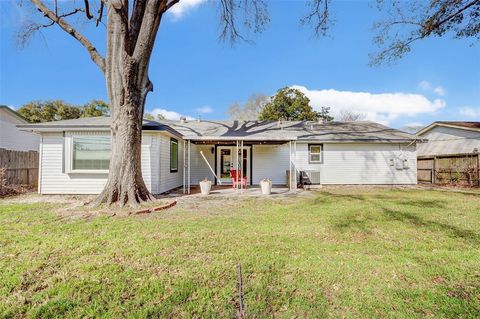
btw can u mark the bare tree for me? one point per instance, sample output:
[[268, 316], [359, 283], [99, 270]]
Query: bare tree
[[409, 21], [349, 116], [250, 110], [131, 29]]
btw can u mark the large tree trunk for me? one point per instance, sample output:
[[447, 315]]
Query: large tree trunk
[[126, 73], [125, 182]]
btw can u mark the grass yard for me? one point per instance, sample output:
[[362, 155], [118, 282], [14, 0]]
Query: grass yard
[[353, 253]]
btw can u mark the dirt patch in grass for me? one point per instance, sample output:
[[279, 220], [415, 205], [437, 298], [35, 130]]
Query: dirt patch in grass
[[80, 206]]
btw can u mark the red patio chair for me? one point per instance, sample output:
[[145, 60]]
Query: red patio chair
[[236, 180]]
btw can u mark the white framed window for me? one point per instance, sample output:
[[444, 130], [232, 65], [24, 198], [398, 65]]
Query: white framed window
[[173, 155], [90, 154], [315, 153]]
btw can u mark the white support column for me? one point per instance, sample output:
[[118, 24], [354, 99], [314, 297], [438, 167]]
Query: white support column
[[236, 164], [290, 165], [189, 153], [241, 167], [295, 164], [184, 165]]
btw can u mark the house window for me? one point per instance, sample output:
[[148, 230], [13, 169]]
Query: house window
[[315, 153], [173, 155], [91, 153]]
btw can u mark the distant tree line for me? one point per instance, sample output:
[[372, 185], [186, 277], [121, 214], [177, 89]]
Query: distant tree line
[[56, 110]]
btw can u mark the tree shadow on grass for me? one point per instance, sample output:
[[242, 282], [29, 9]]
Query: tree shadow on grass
[[352, 222], [326, 197], [416, 220], [421, 203], [363, 222]]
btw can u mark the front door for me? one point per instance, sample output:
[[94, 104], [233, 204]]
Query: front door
[[226, 161]]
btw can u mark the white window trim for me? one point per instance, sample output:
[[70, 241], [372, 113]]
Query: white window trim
[[174, 141], [69, 158], [310, 154]]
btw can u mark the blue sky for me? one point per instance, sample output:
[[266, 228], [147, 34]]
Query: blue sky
[[196, 75]]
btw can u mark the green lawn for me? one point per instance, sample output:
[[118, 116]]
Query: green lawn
[[353, 253]]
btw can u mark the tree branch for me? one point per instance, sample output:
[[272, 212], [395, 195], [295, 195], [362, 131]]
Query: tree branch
[[319, 17], [87, 9], [430, 28], [150, 23], [433, 19], [170, 4], [92, 51], [100, 13]]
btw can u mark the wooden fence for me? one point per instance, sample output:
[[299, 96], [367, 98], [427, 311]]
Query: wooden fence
[[452, 169], [21, 168]]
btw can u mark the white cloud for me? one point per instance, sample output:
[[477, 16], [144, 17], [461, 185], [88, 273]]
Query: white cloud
[[181, 8], [440, 90], [469, 111], [427, 86], [382, 107], [169, 115], [205, 109], [414, 124]]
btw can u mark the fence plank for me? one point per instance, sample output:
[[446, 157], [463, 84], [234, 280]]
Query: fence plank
[[21, 167], [462, 169]]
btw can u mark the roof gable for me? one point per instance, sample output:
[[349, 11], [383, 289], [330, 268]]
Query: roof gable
[[4, 108], [471, 126]]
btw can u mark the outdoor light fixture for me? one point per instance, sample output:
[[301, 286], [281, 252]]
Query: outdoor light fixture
[[212, 150]]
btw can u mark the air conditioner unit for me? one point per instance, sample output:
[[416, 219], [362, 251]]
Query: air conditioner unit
[[310, 177]]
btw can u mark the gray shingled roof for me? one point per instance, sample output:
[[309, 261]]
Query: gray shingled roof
[[89, 124], [248, 130], [288, 130]]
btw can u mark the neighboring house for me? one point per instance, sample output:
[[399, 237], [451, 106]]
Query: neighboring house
[[74, 154], [448, 138], [12, 138]]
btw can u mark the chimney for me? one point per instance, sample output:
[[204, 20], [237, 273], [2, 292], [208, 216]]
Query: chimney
[[183, 119]]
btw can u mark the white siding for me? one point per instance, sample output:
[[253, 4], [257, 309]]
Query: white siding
[[199, 169], [270, 161], [54, 178], [11, 138], [351, 163], [346, 163], [447, 140], [166, 180]]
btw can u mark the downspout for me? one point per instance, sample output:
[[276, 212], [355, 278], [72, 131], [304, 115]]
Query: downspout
[[184, 164]]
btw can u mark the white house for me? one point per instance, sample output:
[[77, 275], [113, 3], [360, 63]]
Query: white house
[[12, 138], [447, 138], [74, 154]]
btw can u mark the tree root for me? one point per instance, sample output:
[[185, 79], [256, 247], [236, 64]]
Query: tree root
[[132, 196]]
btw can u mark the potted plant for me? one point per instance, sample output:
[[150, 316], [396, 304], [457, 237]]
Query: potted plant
[[205, 186], [266, 186]]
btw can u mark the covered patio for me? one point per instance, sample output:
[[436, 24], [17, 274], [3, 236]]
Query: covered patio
[[234, 155]]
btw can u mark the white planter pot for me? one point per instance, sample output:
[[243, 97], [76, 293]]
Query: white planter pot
[[205, 187], [266, 187]]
